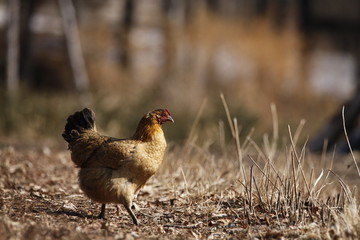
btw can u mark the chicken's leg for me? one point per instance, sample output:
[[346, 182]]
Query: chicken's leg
[[102, 213], [132, 215]]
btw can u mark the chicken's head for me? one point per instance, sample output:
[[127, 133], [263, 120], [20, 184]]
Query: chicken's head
[[162, 116]]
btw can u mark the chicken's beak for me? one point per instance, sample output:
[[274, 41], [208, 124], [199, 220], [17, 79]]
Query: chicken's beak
[[170, 119], [164, 119]]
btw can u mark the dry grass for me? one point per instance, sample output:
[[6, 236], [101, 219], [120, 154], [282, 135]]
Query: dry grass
[[244, 190]]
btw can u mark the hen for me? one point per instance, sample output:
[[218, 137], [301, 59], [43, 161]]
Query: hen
[[113, 170]]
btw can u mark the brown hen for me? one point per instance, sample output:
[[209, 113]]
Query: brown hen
[[113, 170]]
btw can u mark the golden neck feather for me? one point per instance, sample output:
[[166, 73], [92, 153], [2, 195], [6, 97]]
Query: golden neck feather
[[147, 129]]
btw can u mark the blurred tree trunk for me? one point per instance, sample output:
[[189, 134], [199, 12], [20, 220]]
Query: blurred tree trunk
[[13, 46], [74, 46], [125, 26], [28, 8]]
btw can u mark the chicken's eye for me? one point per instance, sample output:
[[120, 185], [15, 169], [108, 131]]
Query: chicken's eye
[[158, 118]]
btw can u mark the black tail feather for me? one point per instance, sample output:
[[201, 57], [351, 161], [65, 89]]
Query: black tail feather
[[77, 123]]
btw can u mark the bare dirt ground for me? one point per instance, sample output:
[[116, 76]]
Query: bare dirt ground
[[40, 199]]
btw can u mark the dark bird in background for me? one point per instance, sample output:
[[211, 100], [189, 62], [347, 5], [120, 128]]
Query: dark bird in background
[[113, 170]]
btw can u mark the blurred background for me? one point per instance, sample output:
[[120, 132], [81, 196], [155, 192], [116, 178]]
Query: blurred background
[[126, 57]]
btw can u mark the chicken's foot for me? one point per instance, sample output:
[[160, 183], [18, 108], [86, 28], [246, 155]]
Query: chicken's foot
[[132, 215], [102, 213]]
